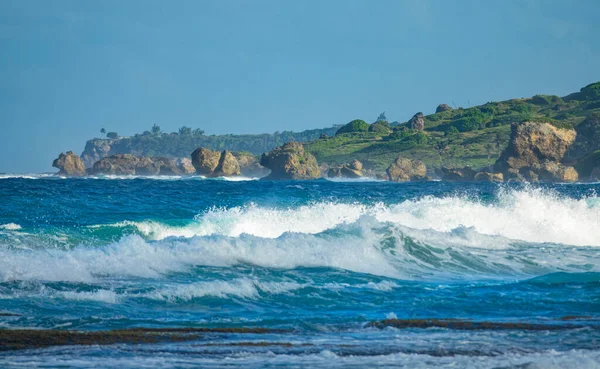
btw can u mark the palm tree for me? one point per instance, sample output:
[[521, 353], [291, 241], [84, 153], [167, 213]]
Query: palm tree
[[103, 131]]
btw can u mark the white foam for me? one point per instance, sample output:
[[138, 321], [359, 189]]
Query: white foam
[[106, 296], [531, 215], [242, 287], [10, 227]]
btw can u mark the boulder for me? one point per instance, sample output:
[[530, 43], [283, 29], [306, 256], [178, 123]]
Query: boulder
[[185, 165], [228, 166], [127, 164], [417, 122], [458, 174], [69, 164], [290, 161], [250, 165], [442, 108], [488, 177], [403, 170], [352, 170], [205, 161], [535, 152]]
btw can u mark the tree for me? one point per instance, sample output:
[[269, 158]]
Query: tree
[[381, 118], [103, 131], [356, 125], [185, 131], [112, 135], [155, 129], [198, 132]]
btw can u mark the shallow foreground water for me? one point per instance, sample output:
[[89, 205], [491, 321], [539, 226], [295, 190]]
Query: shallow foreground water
[[334, 274]]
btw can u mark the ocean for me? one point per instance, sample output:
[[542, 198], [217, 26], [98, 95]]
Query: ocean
[[296, 274]]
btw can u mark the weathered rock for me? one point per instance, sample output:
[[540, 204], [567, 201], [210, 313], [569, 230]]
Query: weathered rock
[[290, 161], [96, 150], [551, 171], [588, 137], [70, 164], [127, 164], [185, 165], [205, 161], [417, 122], [356, 165], [442, 108], [457, 174], [250, 165], [228, 166], [352, 170], [403, 170], [535, 152], [488, 177]]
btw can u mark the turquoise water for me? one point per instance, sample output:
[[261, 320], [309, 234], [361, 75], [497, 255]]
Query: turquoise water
[[318, 260]]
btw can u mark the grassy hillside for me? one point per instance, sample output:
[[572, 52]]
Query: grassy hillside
[[458, 137]]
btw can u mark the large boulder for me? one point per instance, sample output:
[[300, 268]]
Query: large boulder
[[70, 164], [488, 177], [442, 108], [205, 161], [228, 166], [458, 174], [417, 122], [535, 152], [127, 164], [352, 170], [403, 170], [290, 161], [250, 165]]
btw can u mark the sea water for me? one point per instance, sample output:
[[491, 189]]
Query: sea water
[[316, 261]]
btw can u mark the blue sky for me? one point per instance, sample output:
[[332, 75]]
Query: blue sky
[[69, 68]]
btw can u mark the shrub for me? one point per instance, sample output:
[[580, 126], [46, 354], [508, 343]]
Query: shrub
[[112, 135], [356, 125], [381, 127]]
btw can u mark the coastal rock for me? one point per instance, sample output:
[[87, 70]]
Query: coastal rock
[[228, 166], [442, 108], [488, 177], [185, 165], [352, 170], [250, 165], [417, 122], [587, 139], [535, 152], [95, 150], [205, 161], [457, 174], [70, 164], [403, 170], [290, 161], [127, 164]]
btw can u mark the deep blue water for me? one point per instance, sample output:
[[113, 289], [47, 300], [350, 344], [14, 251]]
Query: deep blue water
[[317, 259]]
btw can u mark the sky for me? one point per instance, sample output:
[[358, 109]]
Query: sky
[[70, 68]]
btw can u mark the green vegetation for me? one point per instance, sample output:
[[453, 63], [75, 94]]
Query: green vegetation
[[459, 137], [356, 125]]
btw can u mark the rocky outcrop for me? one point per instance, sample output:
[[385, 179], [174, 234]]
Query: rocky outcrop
[[352, 170], [488, 177], [403, 170], [442, 108], [290, 161], [417, 122], [250, 165], [457, 174], [205, 161], [588, 137], [127, 164], [185, 165], [70, 164], [535, 152], [228, 166]]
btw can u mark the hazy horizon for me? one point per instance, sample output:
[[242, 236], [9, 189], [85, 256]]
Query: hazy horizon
[[70, 68]]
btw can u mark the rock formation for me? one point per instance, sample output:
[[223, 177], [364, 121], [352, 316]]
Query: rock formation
[[403, 170], [457, 174], [442, 108], [290, 161], [417, 122], [228, 166], [205, 161], [70, 164], [352, 170], [535, 152], [185, 165], [127, 164], [488, 177]]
